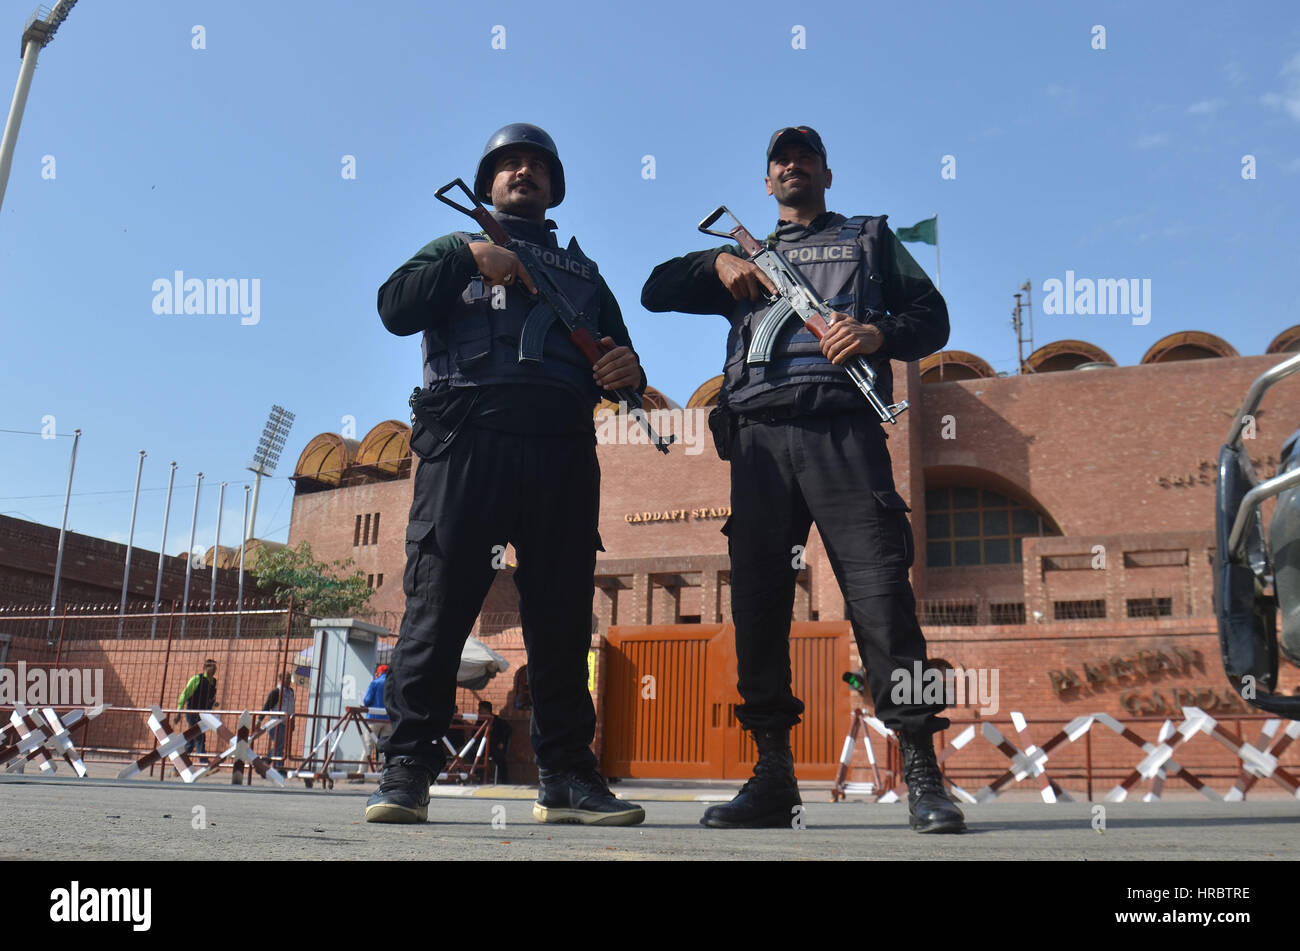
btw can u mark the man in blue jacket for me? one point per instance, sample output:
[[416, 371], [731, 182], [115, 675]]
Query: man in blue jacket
[[379, 723]]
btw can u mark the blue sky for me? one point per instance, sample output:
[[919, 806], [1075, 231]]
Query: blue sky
[[226, 162]]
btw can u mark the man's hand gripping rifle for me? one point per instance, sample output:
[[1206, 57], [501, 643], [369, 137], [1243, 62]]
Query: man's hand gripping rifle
[[795, 295], [553, 299]]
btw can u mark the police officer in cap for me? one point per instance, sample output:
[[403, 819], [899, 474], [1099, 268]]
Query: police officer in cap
[[507, 455], [805, 447]]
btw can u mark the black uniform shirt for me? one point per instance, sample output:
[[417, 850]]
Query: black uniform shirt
[[916, 325], [425, 290]]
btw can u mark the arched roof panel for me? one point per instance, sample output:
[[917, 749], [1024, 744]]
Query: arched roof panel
[[1288, 341], [385, 447], [706, 394], [1065, 355], [326, 458], [1188, 345], [949, 365]]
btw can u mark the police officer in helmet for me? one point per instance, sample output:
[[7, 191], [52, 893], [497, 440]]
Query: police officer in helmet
[[507, 456], [805, 446]]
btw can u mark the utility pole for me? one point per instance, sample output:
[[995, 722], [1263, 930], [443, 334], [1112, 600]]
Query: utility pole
[[1018, 323], [63, 534]]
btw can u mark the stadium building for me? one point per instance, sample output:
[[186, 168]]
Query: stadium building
[[1063, 522]]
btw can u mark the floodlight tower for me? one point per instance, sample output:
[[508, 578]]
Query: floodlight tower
[[267, 454], [37, 33]]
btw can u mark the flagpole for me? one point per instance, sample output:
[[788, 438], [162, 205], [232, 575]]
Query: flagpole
[[938, 271]]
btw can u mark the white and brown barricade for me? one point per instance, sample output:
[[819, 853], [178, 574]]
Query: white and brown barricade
[[471, 758], [171, 745], [240, 747], [1269, 747], [31, 734], [1159, 755], [1032, 761], [328, 746], [861, 725]]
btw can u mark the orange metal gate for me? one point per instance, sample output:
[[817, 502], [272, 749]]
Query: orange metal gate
[[670, 701]]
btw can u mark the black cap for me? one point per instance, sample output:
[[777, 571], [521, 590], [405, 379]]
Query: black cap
[[802, 133], [513, 135]]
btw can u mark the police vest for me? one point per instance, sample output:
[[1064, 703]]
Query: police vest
[[499, 335], [840, 263]]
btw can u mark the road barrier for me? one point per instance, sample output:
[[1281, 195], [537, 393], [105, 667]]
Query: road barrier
[[30, 735], [1258, 760]]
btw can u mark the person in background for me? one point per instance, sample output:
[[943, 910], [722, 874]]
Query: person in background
[[380, 725], [280, 698], [200, 693], [499, 749]]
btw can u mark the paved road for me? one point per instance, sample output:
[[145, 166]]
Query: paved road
[[68, 819]]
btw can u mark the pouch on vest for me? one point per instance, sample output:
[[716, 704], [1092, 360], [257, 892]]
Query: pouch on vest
[[722, 423], [437, 415]]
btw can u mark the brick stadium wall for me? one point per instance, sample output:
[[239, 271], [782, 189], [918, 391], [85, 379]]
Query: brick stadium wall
[[92, 569], [1142, 668], [327, 520], [1100, 449], [1122, 457], [141, 672]]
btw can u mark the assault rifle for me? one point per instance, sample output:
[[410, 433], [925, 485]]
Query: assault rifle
[[551, 303], [794, 295]]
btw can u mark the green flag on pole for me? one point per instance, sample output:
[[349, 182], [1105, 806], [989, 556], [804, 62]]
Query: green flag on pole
[[926, 231]]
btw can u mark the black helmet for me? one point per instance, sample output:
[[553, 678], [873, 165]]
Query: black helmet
[[518, 133]]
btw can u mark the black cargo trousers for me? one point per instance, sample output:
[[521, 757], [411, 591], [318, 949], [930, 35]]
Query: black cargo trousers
[[486, 488], [833, 470]]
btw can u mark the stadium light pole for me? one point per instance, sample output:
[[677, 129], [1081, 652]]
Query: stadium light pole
[[267, 455], [38, 31]]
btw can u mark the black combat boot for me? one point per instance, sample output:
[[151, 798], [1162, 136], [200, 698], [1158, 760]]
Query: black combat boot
[[581, 796], [928, 802], [403, 793], [769, 800]]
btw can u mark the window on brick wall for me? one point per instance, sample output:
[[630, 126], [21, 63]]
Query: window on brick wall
[[365, 532], [374, 531], [1150, 607], [1078, 610], [356, 534], [370, 581], [948, 611], [965, 525], [1008, 613], [379, 580]]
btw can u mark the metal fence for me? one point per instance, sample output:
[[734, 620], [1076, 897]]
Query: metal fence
[[257, 617], [138, 660]]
